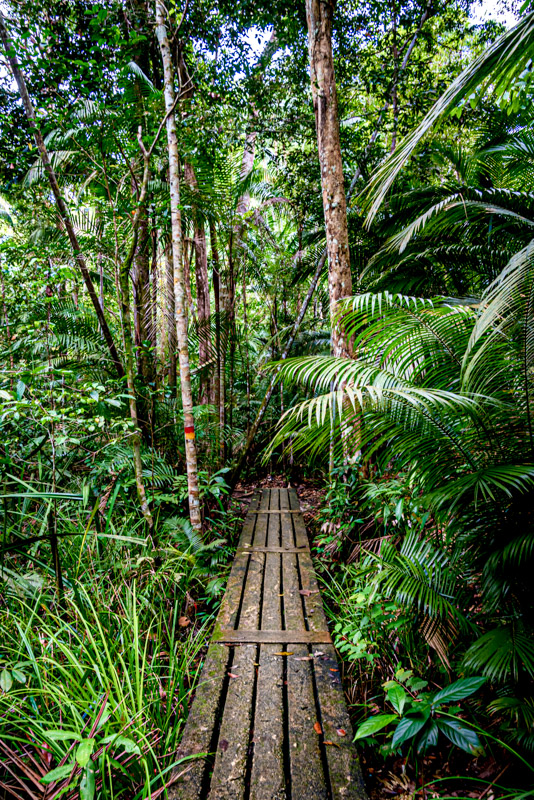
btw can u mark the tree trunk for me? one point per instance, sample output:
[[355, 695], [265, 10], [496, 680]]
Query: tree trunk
[[170, 315], [179, 278], [126, 316], [142, 305], [141, 285], [218, 383], [203, 292], [319, 14]]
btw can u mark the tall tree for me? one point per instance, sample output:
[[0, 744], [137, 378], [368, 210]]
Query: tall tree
[[319, 15], [178, 269]]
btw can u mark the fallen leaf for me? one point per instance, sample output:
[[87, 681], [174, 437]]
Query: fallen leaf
[[341, 732], [333, 670], [232, 675], [183, 622], [304, 658], [317, 728], [223, 744], [284, 653], [334, 744], [308, 592]]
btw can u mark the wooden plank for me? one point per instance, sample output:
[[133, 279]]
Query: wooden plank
[[271, 637], [229, 770], [234, 588], [301, 536], [288, 539], [274, 511], [307, 774], [200, 725], [343, 764], [228, 779], [273, 536], [260, 533], [202, 719], [267, 780], [252, 549]]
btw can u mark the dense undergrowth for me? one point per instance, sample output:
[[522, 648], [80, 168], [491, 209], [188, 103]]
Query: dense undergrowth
[[182, 296], [97, 673], [434, 714]]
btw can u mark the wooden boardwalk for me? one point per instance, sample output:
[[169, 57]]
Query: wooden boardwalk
[[269, 713]]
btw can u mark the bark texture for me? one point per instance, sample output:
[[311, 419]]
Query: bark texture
[[142, 307], [319, 14], [178, 270], [170, 315], [203, 291]]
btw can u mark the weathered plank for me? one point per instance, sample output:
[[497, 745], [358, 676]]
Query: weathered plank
[[271, 637], [301, 536], [202, 722], [274, 549], [228, 780], [307, 774], [343, 764], [267, 779]]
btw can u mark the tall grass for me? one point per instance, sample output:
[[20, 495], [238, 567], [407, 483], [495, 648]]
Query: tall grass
[[95, 684]]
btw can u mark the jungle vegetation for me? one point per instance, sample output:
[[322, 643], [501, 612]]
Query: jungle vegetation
[[277, 238]]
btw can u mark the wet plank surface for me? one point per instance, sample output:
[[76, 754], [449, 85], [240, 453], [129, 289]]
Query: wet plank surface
[[268, 717]]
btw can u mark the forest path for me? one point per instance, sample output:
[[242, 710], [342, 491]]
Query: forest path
[[270, 705]]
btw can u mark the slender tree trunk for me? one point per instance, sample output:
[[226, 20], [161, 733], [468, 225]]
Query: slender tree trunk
[[216, 278], [154, 277], [126, 316], [179, 278], [101, 278], [319, 14], [60, 203], [203, 291], [187, 277], [170, 314], [142, 301], [141, 285]]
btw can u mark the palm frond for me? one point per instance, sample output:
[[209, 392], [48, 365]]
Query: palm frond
[[497, 67]]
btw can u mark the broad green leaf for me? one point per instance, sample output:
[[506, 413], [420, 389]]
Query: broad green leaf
[[121, 741], [19, 676], [428, 737], [84, 751], [62, 736], [416, 684], [462, 737], [373, 725], [409, 726], [458, 690], [397, 697], [87, 783], [6, 681], [57, 774]]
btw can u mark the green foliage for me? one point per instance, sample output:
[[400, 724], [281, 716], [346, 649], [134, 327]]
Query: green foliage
[[420, 716]]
